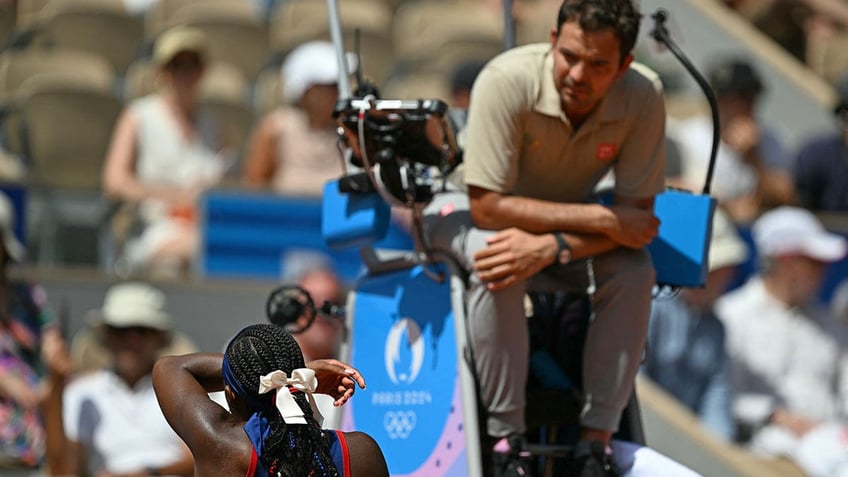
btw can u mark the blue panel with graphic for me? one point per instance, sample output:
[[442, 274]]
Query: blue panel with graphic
[[679, 252], [404, 344]]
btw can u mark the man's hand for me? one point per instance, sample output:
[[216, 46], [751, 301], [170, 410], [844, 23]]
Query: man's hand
[[336, 379], [632, 227], [513, 255]]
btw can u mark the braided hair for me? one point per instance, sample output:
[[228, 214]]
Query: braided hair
[[289, 450]]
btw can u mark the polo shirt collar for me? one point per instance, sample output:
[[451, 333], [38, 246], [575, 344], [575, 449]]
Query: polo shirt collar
[[612, 107], [118, 383]]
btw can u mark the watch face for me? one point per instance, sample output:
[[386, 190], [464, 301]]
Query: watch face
[[564, 256]]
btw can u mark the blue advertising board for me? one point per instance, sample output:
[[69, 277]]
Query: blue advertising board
[[403, 342]]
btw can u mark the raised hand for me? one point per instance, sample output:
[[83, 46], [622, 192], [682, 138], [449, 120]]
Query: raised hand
[[336, 379]]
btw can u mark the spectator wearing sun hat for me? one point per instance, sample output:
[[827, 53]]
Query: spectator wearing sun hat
[[164, 153], [294, 150], [111, 421], [788, 354], [686, 341]]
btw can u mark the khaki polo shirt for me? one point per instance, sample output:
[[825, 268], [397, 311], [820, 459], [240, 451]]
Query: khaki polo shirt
[[519, 142]]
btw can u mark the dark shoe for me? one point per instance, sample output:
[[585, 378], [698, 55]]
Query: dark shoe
[[591, 460], [512, 462]]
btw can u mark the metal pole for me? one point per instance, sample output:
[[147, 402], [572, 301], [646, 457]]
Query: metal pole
[[338, 41], [509, 25]]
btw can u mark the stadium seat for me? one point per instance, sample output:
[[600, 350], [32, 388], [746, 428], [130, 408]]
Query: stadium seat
[[16, 66], [8, 17], [536, 23], [267, 89], [160, 13], [103, 27], [68, 126], [224, 95], [298, 21], [28, 11], [420, 85], [439, 34], [234, 32]]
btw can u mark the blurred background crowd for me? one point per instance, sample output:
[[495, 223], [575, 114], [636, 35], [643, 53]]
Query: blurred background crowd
[[186, 144]]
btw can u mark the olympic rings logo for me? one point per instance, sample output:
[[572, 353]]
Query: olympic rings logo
[[399, 424]]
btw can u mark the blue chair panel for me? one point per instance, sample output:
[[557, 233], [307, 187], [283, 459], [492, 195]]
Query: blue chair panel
[[247, 234]]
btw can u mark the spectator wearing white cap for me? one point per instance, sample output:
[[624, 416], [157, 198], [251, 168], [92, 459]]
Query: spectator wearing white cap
[[686, 341], [111, 423], [788, 355], [294, 150], [164, 153], [29, 344]]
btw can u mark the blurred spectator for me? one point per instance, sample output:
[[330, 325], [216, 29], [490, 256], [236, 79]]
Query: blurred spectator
[[323, 338], [462, 79], [753, 171], [686, 341], [298, 309], [294, 150], [30, 344], [821, 169], [162, 158], [788, 355], [111, 424]]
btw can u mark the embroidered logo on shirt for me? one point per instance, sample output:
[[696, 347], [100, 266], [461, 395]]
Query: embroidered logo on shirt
[[606, 151]]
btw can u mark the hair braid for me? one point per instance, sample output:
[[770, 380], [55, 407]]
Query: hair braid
[[291, 451]]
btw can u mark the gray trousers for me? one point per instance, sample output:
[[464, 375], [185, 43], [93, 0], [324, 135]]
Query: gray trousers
[[621, 282]]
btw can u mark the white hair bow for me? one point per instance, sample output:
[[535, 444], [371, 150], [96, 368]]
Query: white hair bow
[[302, 379]]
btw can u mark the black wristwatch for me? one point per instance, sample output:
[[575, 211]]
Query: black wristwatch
[[563, 255]]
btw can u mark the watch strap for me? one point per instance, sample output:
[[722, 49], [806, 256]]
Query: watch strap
[[562, 245]]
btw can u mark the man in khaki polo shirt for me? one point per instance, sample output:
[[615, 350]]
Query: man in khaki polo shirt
[[547, 122]]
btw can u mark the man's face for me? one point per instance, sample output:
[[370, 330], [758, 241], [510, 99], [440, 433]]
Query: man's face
[[134, 349], [586, 65], [807, 275]]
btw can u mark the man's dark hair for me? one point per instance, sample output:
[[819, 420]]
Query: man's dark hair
[[595, 15], [291, 450]]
